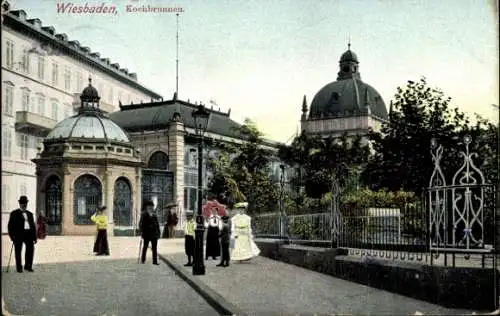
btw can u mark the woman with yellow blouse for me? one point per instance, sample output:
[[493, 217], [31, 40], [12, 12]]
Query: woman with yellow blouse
[[101, 246]]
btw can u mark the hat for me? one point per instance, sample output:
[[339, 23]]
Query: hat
[[149, 203], [225, 218], [23, 199], [102, 208], [241, 205], [189, 213]]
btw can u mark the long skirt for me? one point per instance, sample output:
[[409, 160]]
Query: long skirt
[[189, 245], [101, 246], [213, 245]]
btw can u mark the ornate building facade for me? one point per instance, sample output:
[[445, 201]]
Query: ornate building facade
[[345, 105], [43, 74]]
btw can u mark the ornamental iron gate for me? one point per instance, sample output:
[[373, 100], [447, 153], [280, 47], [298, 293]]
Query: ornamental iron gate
[[122, 204], [158, 186], [88, 197], [53, 205], [461, 214]]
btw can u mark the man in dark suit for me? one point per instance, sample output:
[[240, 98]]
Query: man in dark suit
[[225, 237], [22, 229], [150, 231]]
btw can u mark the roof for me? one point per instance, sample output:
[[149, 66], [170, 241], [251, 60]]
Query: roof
[[46, 35], [347, 98], [152, 116], [88, 126], [349, 95], [157, 115]]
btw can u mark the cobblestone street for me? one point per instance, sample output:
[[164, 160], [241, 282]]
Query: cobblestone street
[[69, 280]]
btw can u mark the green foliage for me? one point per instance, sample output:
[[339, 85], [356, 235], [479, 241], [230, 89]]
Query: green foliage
[[402, 157], [241, 172], [367, 198], [321, 160]]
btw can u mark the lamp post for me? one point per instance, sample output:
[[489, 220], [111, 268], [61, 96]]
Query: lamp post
[[282, 201], [201, 117]]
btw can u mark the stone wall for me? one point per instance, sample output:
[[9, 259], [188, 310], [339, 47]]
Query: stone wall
[[468, 288]]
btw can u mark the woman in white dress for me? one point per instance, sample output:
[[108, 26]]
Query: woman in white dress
[[244, 248]]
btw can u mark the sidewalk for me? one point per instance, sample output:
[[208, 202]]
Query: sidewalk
[[267, 287]]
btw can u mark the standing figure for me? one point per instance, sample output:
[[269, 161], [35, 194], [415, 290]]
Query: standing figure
[[101, 246], [225, 239], [189, 237], [150, 231], [41, 226], [213, 225], [241, 233], [172, 221], [21, 228]]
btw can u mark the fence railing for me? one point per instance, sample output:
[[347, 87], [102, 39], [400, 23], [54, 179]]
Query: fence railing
[[377, 233]]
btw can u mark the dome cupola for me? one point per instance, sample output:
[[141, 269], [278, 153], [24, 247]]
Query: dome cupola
[[90, 124], [349, 95]]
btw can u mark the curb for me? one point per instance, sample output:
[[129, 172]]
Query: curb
[[219, 303]]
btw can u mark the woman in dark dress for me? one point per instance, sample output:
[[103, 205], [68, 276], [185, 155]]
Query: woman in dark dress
[[213, 224], [101, 246], [41, 226]]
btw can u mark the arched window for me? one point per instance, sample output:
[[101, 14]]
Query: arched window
[[88, 196], [122, 204], [159, 160], [53, 200]]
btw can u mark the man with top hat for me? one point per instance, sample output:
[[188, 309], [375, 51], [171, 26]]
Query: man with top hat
[[21, 230], [225, 239], [150, 231]]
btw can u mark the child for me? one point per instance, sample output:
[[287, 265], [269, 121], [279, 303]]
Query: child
[[189, 237], [224, 242]]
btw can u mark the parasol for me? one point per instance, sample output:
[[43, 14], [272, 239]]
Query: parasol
[[209, 205]]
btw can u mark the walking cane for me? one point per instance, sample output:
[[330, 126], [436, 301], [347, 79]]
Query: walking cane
[[10, 256], [140, 247]]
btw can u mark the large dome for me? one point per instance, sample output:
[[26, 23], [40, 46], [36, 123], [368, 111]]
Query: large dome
[[349, 95], [88, 126]]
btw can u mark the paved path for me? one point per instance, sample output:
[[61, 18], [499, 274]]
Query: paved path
[[267, 287], [69, 280]]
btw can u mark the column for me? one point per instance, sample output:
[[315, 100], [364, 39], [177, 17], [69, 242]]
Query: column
[[108, 194], [176, 155], [68, 222]]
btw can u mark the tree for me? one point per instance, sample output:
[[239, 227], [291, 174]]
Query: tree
[[242, 172], [321, 161], [402, 157]]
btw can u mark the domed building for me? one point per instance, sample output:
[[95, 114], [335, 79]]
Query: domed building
[[87, 161], [345, 105]]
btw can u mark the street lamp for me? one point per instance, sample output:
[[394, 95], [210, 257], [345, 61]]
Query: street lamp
[[201, 117], [282, 201]]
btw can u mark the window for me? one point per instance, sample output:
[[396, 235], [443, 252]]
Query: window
[[67, 111], [55, 74], [110, 95], [9, 54], [23, 143], [67, 78], [41, 105], [25, 61], [7, 98], [79, 81], [41, 68], [5, 197], [23, 190], [87, 197], [54, 113], [100, 90], [6, 141], [26, 100]]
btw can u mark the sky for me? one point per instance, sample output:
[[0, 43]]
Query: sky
[[259, 58]]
